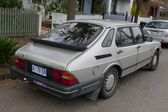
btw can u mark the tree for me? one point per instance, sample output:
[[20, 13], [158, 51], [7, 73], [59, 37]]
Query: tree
[[71, 9], [56, 6], [11, 4], [138, 7]]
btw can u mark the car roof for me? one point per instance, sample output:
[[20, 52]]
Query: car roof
[[159, 20], [106, 22]]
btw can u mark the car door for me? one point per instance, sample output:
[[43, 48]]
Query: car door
[[126, 50], [144, 48]]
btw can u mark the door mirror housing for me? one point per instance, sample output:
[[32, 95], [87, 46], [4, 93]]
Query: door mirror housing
[[148, 39], [142, 24]]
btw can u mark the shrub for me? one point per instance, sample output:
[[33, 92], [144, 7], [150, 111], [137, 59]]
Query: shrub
[[99, 9], [133, 11], [57, 6], [7, 50], [11, 3]]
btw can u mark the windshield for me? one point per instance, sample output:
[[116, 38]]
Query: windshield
[[75, 34], [158, 25]]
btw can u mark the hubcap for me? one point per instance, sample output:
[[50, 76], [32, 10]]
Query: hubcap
[[154, 60], [109, 83]]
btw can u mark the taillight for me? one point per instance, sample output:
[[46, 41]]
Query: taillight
[[165, 35], [20, 63], [64, 78]]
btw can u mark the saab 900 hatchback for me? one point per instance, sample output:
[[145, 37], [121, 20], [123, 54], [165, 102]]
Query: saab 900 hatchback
[[85, 57]]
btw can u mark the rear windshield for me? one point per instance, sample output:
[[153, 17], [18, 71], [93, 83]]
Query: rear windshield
[[158, 25], [74, 34]]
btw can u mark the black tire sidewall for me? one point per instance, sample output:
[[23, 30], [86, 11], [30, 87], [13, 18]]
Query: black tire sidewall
[[153, 67]]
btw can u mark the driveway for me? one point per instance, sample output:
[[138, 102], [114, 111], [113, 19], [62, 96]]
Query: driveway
[[142, 91]]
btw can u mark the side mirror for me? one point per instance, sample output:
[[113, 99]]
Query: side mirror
[[148, 39], [142, 24]]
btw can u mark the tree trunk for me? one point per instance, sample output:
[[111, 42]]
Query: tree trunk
[[71, 9], [138, 7]]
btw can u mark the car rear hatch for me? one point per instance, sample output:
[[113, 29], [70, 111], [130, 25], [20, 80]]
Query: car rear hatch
[[46, 56], [156, 32]]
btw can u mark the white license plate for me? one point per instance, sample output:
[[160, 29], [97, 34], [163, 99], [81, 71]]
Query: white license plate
[[39, 70]]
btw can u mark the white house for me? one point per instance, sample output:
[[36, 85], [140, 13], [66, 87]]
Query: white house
[[29, 4], [122, 6]]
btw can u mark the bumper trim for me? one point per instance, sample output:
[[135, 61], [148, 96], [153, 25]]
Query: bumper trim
[[65, 92], [91, 85], [71, 92]]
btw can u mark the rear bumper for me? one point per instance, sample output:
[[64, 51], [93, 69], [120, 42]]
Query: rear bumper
[[161, 39], [65, 92]]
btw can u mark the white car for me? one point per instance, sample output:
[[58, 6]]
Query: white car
[[86, 57], [158, 30]]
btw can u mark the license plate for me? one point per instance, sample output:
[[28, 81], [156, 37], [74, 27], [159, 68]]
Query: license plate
[[39, 70], [40, 84]]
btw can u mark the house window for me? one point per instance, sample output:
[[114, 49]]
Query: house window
[[80, 6]]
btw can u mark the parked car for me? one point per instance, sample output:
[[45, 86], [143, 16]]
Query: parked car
[[86, 57], [158, 30]]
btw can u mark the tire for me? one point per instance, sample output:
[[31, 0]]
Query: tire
[[154, 62], [110, 83], [166, 45]]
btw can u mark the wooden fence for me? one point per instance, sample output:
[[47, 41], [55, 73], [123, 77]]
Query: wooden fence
[[18, 22]]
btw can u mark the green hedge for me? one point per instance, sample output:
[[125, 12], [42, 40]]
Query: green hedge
[[7, 50]]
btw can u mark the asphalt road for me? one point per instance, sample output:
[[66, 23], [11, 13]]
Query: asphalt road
[[142, 91]]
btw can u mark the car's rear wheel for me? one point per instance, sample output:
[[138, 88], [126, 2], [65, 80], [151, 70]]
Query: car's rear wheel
[[154, 62], [110, 83], [164, 45]]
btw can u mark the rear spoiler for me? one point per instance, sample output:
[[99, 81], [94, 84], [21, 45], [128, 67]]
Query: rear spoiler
[[59, 45]]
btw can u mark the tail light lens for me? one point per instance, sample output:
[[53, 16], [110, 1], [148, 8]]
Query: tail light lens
[[165, 35], [64, 78], [20, 63]]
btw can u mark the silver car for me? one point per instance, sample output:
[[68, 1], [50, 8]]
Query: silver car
[[85, 57], [158, 30]]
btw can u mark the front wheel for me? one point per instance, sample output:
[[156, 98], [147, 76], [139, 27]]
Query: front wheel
[[110, 83], [154, 62]]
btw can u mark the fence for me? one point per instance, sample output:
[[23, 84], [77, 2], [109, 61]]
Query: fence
[[19, 22]]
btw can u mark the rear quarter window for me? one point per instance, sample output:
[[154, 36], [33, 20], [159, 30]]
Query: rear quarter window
[[108, 39]]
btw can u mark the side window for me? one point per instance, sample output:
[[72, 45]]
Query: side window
[[124, 37], [108, 39], [138, 36], [151, 25]]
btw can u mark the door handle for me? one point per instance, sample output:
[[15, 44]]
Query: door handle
[[138, 47], [120, 51]]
